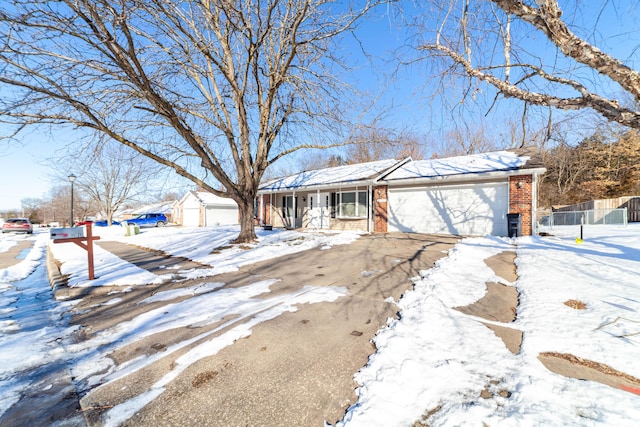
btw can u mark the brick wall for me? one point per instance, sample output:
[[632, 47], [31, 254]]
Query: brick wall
[[521, 200], [380, 205], [263, 210]]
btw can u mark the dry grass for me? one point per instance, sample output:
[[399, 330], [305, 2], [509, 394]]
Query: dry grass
[[425, 418], [219, 249], [578, 305], [597, 366], [203, 378]]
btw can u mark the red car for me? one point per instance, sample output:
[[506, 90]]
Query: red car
[[17, 224]]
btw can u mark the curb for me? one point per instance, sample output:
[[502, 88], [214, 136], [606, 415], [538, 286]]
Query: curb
[[56, 279]]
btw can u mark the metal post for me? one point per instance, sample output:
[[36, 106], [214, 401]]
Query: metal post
[[72, 178]]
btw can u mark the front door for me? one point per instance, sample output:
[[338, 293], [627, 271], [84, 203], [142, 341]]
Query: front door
[[318, 210], [289, 211]]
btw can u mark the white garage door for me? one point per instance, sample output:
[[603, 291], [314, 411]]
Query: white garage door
[[221, 215], [191, 217], [468, 210]]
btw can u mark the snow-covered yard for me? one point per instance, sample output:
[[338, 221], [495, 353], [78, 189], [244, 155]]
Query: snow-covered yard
[[434, 360]]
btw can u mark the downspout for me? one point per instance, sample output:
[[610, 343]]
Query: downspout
[[534, 205], [369, 208]]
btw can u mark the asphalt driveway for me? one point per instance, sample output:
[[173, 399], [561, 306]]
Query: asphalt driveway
[[296, 369]]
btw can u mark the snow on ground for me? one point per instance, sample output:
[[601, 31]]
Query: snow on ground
[[437, 359], [206, 245], [8, 242], [30, 262], [30, 322], [433, 358]]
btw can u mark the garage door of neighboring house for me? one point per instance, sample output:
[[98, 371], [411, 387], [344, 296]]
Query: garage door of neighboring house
[[191, 217], [221, 215], [471, 210]]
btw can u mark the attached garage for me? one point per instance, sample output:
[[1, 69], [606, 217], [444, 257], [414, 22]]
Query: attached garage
[[468, 209]]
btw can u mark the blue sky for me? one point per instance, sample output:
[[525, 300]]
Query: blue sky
[[403, 98], [22, 170]]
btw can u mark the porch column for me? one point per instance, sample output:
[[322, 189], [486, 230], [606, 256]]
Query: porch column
[[319, 208], [295, 210], [260, 216]]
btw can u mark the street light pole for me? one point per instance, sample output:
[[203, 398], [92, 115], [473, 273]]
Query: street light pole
[[72, 178]]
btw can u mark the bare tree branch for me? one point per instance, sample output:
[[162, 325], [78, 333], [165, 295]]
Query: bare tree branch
[[216, 90], [516, 73]]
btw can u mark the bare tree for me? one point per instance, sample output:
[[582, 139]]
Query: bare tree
[[55, 207], [465, 140], [216, 90], [31, 208], [111, 174], [374, 143], [490, 41]]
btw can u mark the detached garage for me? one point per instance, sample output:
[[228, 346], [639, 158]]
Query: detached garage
[[202, 209]]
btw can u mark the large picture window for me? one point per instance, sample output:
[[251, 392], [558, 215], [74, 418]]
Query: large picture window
[[351, 204]]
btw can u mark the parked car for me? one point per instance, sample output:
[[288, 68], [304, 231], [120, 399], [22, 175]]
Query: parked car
[[149, 220], [18, 225], [103, 223]]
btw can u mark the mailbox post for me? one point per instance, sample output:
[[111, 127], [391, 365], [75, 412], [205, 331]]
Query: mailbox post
[[77, 235]]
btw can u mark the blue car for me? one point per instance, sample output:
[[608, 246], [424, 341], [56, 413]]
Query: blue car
[[104, 223], [149, 220]]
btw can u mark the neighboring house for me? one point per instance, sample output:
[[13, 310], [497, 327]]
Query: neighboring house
[[202, 209], [465, 195], [161, 208]]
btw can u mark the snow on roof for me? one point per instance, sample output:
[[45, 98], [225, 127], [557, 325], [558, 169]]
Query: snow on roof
[[162, 207], [328, 176], [211, 199], [470, 164]]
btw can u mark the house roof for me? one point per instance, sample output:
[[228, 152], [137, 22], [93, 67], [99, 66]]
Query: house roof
[[517, 161], [473, 164], [339, 175], [162, 207], [209, 199]]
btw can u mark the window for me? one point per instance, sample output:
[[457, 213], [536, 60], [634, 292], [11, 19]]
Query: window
[[351, 204], [287, 207]]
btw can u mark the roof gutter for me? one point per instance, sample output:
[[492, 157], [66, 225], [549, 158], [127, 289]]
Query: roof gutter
[[335, 185], [362, 182], [464, 177]]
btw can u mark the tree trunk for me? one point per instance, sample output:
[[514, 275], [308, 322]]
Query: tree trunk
[[247, 225]]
